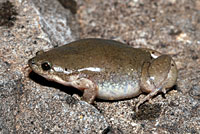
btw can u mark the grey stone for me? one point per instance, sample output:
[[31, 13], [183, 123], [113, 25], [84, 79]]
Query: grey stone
[[32, 105]]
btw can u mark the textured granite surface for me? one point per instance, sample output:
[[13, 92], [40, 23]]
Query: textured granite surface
[[27, 106], [30, 104]]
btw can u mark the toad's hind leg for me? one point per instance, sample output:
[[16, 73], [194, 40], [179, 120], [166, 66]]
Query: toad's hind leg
[[156, 76]]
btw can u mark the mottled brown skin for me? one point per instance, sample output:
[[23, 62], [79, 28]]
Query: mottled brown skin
[[107, 69]]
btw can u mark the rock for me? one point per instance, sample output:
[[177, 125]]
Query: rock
[[30, 104], [26, 106]]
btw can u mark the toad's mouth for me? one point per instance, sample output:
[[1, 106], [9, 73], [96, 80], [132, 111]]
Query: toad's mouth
[[57, 79]]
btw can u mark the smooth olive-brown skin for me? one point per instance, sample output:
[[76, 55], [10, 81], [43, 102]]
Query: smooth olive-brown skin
[[108, 69]]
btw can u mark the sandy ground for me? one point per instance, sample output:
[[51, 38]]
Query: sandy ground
[[30, 104]]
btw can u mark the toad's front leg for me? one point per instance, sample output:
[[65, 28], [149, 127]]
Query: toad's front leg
[[88, 87]]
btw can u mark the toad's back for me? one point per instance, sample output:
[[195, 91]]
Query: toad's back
[[97, 53]]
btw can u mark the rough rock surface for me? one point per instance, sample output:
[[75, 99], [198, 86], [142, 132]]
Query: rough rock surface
[[29, 104], [26, 106]]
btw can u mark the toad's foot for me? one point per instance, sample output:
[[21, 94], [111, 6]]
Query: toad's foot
[[148, 97]]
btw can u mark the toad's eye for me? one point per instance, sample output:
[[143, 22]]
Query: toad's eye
[[39, 52], [46, 66]]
